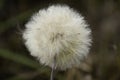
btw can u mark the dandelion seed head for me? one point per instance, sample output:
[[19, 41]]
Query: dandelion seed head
[[60, 32]]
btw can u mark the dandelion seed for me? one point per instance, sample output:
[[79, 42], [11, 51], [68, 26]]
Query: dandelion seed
[[58, 35]]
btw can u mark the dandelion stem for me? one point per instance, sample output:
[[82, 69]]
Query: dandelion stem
[[52, 74], [53, 69]]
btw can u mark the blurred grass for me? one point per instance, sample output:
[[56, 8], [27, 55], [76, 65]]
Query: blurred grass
[[13, 21], [24, 60], [17, 57], [25, 76], [1, 3]]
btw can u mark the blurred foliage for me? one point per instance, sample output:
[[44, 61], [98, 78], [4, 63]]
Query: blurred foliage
[[103, 63], [18, 58]]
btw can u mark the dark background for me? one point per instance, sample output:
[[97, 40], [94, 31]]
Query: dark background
[[103, 62]]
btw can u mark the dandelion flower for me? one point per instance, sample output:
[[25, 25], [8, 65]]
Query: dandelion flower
[[58, 34]]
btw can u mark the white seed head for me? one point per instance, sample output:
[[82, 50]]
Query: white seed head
[[58, 32]]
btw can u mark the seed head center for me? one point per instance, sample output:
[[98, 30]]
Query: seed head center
[[57, 36]]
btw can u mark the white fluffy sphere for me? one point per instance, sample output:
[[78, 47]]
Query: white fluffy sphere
[[58, 33]]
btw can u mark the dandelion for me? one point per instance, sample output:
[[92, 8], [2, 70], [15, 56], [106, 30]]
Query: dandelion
[[58, 36]]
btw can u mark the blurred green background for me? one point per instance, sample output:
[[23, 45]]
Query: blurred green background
[[103, 62]]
